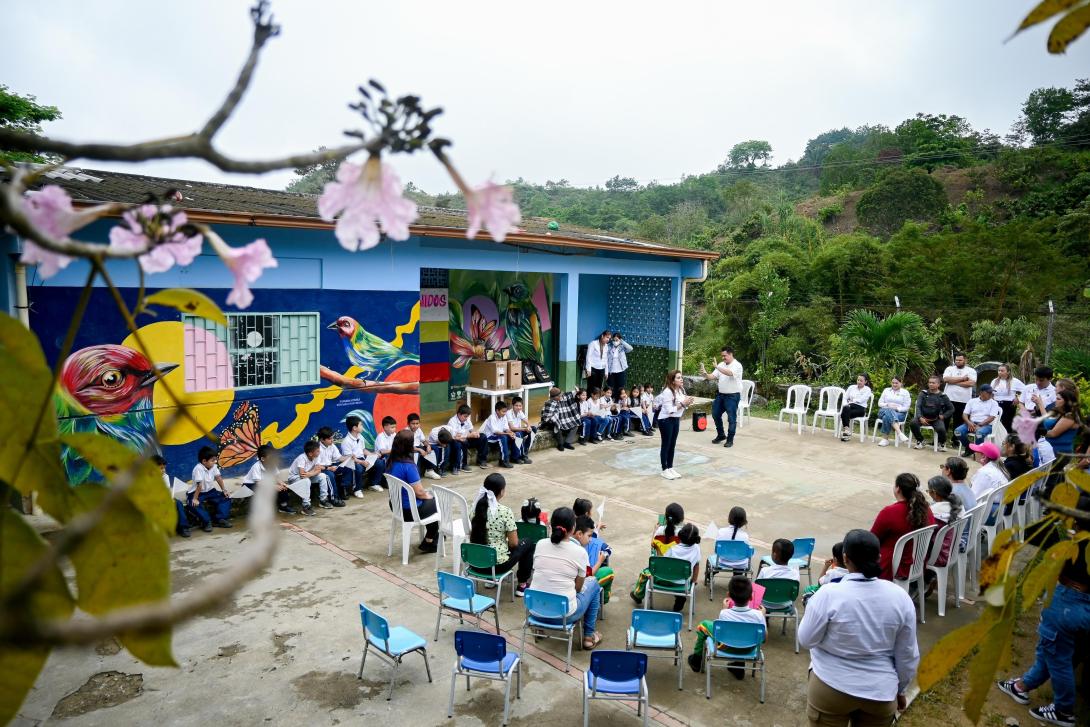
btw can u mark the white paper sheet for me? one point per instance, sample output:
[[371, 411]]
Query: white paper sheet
[[430, 456], [301, 487], [601, 510], [241, 493], [711, 532], [178, 489]]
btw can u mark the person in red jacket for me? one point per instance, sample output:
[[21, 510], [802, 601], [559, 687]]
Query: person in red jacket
[[910, 512]]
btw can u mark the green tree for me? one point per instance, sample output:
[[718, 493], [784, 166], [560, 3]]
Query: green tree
[[26, 115], [622, 184], [901, 195], [1003, 341], [1046, 113], [771, 314], [883, 347], [313, 177], [931, 140], [748, 155]]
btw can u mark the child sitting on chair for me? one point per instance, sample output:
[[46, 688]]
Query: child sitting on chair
[[736, 520], [687, 548], [833, 571], [665, 534], [740, 592], [782, 552], [597, 553], [207, 489], [267, 457]]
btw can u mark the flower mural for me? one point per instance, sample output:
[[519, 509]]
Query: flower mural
[[482, 334]]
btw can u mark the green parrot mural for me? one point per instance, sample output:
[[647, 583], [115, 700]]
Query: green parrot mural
[[371, 353], [520, 319]]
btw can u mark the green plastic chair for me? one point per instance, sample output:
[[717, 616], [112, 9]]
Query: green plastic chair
[[532, 532], [779, 602], [479, 564], [671, 576]]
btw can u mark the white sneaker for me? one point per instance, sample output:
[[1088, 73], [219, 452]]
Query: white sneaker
[[901, 436], [883, 443], [675, 473], [359, 493], [376, 488], [432, 474], [666, 475]]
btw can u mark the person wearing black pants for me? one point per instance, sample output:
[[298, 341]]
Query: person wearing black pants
[[1006, 389], [932, 410], [595, 367], [493, 524], [671, 404]]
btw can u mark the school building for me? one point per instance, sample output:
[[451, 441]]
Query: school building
[[330, 333]]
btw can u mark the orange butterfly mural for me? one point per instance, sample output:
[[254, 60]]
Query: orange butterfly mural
[[240, 439]]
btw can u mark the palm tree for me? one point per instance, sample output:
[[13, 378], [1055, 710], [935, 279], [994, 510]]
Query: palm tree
[[884, 347]]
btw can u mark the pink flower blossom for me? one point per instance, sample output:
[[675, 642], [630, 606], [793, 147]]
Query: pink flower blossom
[[492, 206], [246, 264], [159, 228], [366, 196], [50, 210], [1026, 427]]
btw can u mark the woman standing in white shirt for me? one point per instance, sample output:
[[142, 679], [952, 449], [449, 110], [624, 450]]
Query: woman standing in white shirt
[[856, 398], [671, 404], [1007, 389], [861, 634], [893, 408], [595, 367]]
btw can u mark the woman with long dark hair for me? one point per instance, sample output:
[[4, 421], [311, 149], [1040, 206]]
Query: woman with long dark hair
[[1007, 390], [670, 405], [862, 640], [493, 524], [856, 400], [560, 566], [909, 512], [402, 466], [597, 361]]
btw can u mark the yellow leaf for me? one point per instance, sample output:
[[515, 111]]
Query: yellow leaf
[[1043, 573], [994, 569], [20, 546], [189, 301], [1044, 11], [983, 666], [1080, 478], [1020, 484], [111, 457], [1065, 494], [1070, 27], [952, 648], [124, 561]]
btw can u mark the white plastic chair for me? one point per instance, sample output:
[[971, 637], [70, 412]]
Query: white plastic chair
[[998, 434], [916, 542], [1022, 515], [954, 532], [797, 405], [453, 524], [994, 501], [862, 421], [746, 401], [396, 517], [828, 407], [934, 434], [969, 565]]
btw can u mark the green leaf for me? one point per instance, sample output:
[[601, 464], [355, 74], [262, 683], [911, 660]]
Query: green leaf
[[124, 561], [952, 648], [1043, 573], [983, 666], [1045, 10], [111, 457], [1070, 27], [20, 546], [189, 301]]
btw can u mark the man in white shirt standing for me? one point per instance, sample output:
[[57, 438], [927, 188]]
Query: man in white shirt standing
[[1037, 399], [977, 418], [595, 367], [960, 379], [728, 375]]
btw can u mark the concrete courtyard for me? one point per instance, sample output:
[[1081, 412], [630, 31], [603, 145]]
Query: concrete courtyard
[[286, 649]]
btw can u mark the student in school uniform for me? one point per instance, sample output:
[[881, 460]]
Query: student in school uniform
[[495, 431], [206, 488], [353, 448], [267, 458], [331, 459], [440, 439], [422, 448], [519, 423], [463, 436], [1007, 389], [383, 442], [307, 467], [647, 408], [599, 409], [1038, 398], [782, 552], [182, 526]]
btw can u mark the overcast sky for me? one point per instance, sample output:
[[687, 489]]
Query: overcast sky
[[574, 90]]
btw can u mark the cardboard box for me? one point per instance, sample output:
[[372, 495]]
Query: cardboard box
[[514, 374], [488, 374]]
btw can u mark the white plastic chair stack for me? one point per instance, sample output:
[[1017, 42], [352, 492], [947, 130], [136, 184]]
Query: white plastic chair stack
[[1023, 513], [396, 517], [953, 532], [862, 421], [798, 403], [917, 543], [745, 401], [828, 407], [453, 525], [993, 502]]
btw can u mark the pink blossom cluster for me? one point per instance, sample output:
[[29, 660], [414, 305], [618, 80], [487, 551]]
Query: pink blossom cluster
[[364, 198], [50, 210], [492, 206], [158, 230]]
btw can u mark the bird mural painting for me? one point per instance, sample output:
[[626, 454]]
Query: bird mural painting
[[107, 389], [522, 323], [369, 352]]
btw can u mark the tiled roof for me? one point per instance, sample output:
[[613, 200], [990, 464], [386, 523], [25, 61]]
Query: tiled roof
[[94, 186]]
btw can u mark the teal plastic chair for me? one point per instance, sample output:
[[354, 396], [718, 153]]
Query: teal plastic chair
[[391, 645], [532, 532], [733, 641], [484, 656], [479, 564], [657, 631], [779, 602], [727, 551], [458, 598], [549, 612], [804, 548], [671, 576], [616, 675]]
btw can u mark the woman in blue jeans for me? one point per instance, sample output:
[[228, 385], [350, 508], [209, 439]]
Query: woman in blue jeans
[[1064, 625], [561, 566]]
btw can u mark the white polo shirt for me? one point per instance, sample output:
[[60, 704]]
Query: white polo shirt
[[257, 471], [384, 441], [979, 410], [459, 428], [494, 424], [433, 435], [955, 393], [1047, 395], [986, 479], [1007, 390], [731, 384], [517, 421], [329, 455], [206, 477], [301, 464], [352, 446]]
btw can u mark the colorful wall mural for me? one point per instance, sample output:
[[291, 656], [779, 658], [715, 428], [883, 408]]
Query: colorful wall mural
[[367, 362]]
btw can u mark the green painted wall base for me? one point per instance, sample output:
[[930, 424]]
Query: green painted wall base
[[567, 378]]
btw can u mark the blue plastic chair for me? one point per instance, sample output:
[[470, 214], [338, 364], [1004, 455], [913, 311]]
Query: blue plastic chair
[[727, 551], [657, 630], [390, 644], [540, 606], [733, 641], [484, 656], [616, 675], [804, 548], [458, 597], [779, 602]]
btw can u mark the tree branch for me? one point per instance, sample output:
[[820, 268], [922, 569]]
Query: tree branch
[[1080, 515], [375, 387]]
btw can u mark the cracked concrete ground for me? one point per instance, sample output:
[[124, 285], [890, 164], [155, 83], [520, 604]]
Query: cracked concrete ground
[[286, 649]]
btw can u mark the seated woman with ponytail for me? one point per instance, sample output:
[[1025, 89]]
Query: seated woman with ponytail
[[946, 507], [910, 512], [561, 566], [493, 524], [862, 640]]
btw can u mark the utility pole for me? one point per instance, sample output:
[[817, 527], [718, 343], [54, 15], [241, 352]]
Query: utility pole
[[1048, 340]]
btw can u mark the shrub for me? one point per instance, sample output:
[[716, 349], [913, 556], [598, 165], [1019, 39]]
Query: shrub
[[901, 195], [829, 213]]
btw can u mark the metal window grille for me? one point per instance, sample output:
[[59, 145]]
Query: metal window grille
[[260, 350]]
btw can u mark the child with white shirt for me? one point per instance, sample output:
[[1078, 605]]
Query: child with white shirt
[[834, 570], [687, 548], [440, 440], [383, 442], [782, 552], [332, 461], [647, 407], [588, 424], [463, 435], [207, 489], [267, 458], [735, 530], [421, 448], [182, 526], [363, 472], [608, 408], [739, 594], [495, 431], [519, 423], [307, 467]]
